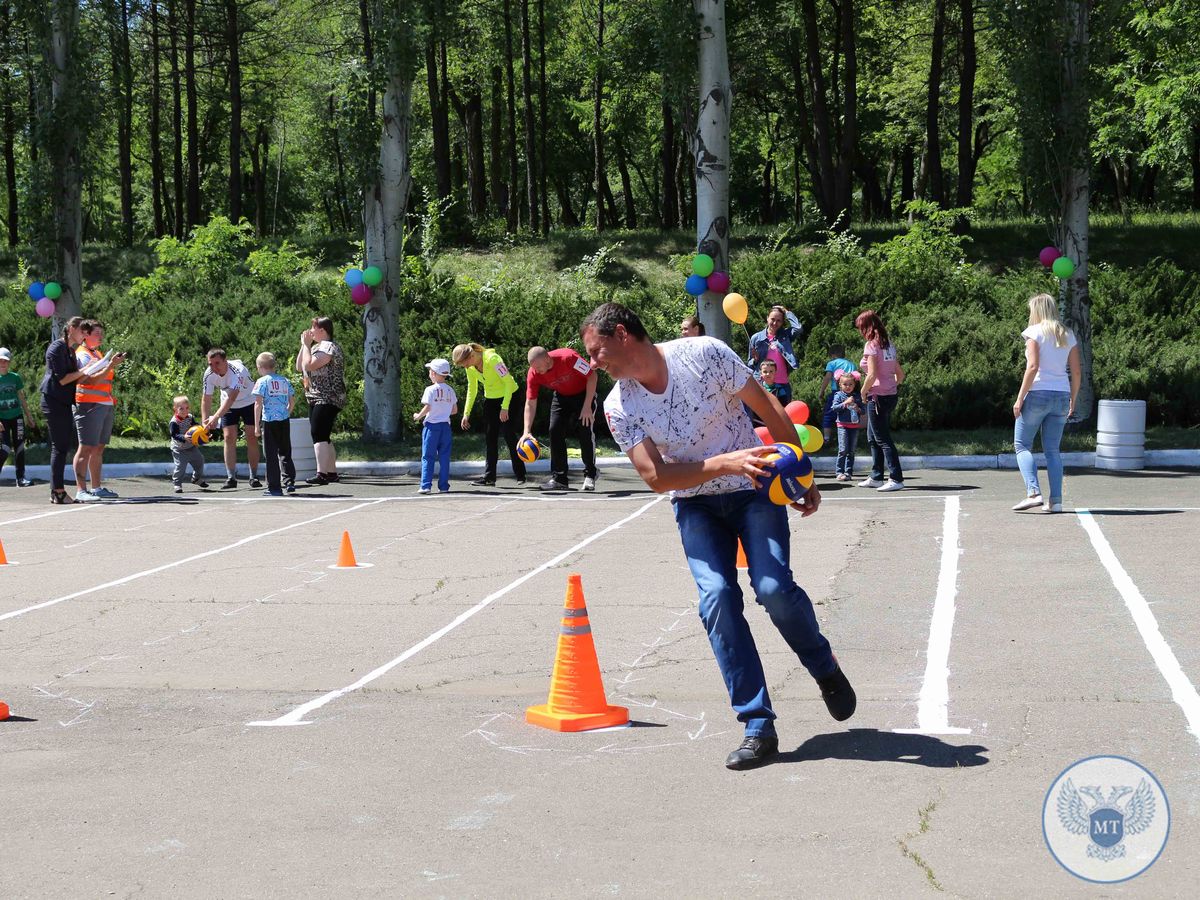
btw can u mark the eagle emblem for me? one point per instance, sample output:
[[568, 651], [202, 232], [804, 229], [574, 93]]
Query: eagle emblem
[[1106, 820]]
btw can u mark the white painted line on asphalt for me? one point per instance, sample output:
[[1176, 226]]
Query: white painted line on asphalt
[[932, 706], [56, 512], [1183, 692], [179, 562], [296, 716]]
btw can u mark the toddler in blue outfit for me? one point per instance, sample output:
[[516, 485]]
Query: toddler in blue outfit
[[438, 404]]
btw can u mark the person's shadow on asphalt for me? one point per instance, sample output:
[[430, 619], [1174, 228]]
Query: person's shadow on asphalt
[[872, 745]]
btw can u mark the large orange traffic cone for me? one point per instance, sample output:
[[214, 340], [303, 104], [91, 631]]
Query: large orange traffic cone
[[741, 557], [577, 701], [3, 558], [346, 558]]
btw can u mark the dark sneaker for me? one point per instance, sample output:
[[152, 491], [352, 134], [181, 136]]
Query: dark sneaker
[[24, 482], [838, 695], [484, 482], [272, 493], [753, 752], [254, 482], [203, 485], [552, 485], [229, 484], [332, 477], [289, 488], [179, 488], [317, 479]]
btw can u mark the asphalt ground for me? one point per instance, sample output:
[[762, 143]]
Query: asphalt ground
[[140, 639]]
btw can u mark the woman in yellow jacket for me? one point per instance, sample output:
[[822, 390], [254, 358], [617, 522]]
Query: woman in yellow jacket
[[499, 387]]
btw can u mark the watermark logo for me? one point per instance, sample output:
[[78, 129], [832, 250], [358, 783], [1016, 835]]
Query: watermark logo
[[1106, 819]]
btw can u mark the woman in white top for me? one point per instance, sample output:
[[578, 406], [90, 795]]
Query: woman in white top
[[1046, 400]]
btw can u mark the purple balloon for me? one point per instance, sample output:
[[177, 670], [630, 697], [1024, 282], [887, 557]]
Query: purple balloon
[[1048, 256], [719, 282], [45, 307], [360, 294]]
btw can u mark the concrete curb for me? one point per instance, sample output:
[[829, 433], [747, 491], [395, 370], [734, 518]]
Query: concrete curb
[[1179, 458]]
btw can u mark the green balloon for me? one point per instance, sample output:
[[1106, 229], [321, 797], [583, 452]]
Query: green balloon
[[702, 265], [1062, 267], [802, 435], [372, 275], [53, 290]]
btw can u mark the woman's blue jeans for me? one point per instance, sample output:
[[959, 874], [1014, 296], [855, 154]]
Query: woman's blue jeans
[[1045, 411], [710, 526]]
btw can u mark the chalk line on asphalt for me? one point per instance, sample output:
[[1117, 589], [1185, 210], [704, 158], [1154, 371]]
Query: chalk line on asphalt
[[933, 703], [180, 562], [296, 716], [54, 512], [1183, 692]]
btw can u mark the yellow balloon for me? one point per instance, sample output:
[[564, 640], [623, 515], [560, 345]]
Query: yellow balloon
[[735, 308], [815, 441]]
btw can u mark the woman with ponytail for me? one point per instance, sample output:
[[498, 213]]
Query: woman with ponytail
[[880, 391], [1045, 401]]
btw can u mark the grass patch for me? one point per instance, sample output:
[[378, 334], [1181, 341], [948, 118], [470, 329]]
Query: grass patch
[[924, 815]]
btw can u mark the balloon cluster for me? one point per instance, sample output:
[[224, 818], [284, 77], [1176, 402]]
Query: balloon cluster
[[810, 438], [703, 278], [1052, 258], [360, 282], [45, 294]]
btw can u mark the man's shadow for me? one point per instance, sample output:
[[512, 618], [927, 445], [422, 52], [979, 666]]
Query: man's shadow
[[872, 745]]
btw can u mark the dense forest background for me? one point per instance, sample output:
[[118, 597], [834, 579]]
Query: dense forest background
[[224, 148]]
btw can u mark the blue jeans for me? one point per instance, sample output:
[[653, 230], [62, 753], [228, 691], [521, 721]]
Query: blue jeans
[[879, 438], [1045, 411], [847, 441], [435, 448], [710, 526]]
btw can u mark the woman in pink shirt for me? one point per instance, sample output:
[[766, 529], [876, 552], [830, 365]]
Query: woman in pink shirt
[[880, 391]]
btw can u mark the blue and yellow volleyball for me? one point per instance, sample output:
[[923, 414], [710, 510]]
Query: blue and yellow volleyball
[[790, 475], [197, 434], [528, 450]]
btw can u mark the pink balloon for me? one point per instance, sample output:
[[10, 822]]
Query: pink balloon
[[1048, 256], [360, 294], [718, 282], [45, 307]]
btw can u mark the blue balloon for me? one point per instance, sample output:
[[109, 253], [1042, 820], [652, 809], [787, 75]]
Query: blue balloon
[[37, 291], [696, 285], [353, 277]]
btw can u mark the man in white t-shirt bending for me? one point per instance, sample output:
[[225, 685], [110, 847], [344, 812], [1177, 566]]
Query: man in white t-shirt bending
[[236, 385], [677, 413]]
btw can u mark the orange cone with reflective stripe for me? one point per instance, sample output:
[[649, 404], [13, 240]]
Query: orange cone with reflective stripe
[[346, 558], [741, 559], [577, 701]]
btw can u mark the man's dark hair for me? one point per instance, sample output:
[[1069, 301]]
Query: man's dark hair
[[837, 349], [216, 353], [607, 316]]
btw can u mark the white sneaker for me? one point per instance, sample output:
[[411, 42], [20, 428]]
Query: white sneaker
[[871, 483], [86, 497], [1028, 503], [842, 476], [423, 491], [589, 484], [890, 486], [1052, 507]]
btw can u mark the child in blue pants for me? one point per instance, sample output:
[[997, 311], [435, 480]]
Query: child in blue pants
[[439, 403], [850, 415]]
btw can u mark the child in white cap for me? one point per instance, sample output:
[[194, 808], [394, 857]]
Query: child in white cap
[[14, 417], [439, 403]]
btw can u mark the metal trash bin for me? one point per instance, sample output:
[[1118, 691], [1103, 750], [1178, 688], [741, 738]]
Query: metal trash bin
[[1121, 434], [303, 455]]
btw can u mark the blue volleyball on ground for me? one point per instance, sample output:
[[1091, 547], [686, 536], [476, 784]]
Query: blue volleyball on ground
[[528, 450]]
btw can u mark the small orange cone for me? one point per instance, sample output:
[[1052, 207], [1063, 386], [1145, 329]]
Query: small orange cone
[[577, 701], [3, 710], [346, 558], [741, 559]]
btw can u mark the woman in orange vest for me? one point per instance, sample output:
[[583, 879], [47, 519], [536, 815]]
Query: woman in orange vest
[[94, 406]]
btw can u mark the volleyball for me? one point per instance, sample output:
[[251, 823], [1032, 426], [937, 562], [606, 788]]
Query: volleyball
[[528, 450], [197, 434], [790, 475]]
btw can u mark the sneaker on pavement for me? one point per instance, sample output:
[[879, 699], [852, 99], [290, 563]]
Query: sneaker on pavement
[[254, 482], [838, 695], [423, 491], [871, 483], [105, 494], [86, 496], [842, 476], [272, 493], [1028, 503], [179, 489], [203, 485], [289, 488], [520, 482], [752, 752], [484, 482], [589, 484], [317, 479], [1052, 507], [229, 484], [891, 486], [552, 485], [24, 482]]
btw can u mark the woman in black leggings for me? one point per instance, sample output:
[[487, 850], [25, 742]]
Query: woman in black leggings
[[58, 398]]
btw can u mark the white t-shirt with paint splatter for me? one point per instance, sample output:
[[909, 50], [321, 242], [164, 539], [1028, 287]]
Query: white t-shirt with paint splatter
[[698, 416]]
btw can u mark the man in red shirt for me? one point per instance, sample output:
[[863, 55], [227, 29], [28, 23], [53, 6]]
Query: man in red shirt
[[572, 408]]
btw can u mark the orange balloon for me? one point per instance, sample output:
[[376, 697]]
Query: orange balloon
[[735, 308], [797, 411]]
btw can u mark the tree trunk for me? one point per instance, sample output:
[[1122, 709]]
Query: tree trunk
[[626, 186], [66, 177], [496, 130], [10, 132], [1196, 166], [844, 195], [123, 86], [193, 112], [385, 201], [907, 173], [670, 199], [335, 137], [1073, 238], [966, 108], [531, 171], [440, 120], [543, 116], [933, 145], [566, 213], [178, 226], [156, 158], [824, 180], [600, 173], [262, 162], [513, 220], [711, 148], [471, 115], [233, 38]]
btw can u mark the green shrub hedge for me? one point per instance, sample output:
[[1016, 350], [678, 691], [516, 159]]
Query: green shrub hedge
[[957, 325]]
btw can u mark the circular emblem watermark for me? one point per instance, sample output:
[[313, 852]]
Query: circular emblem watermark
[[1106, 819]]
